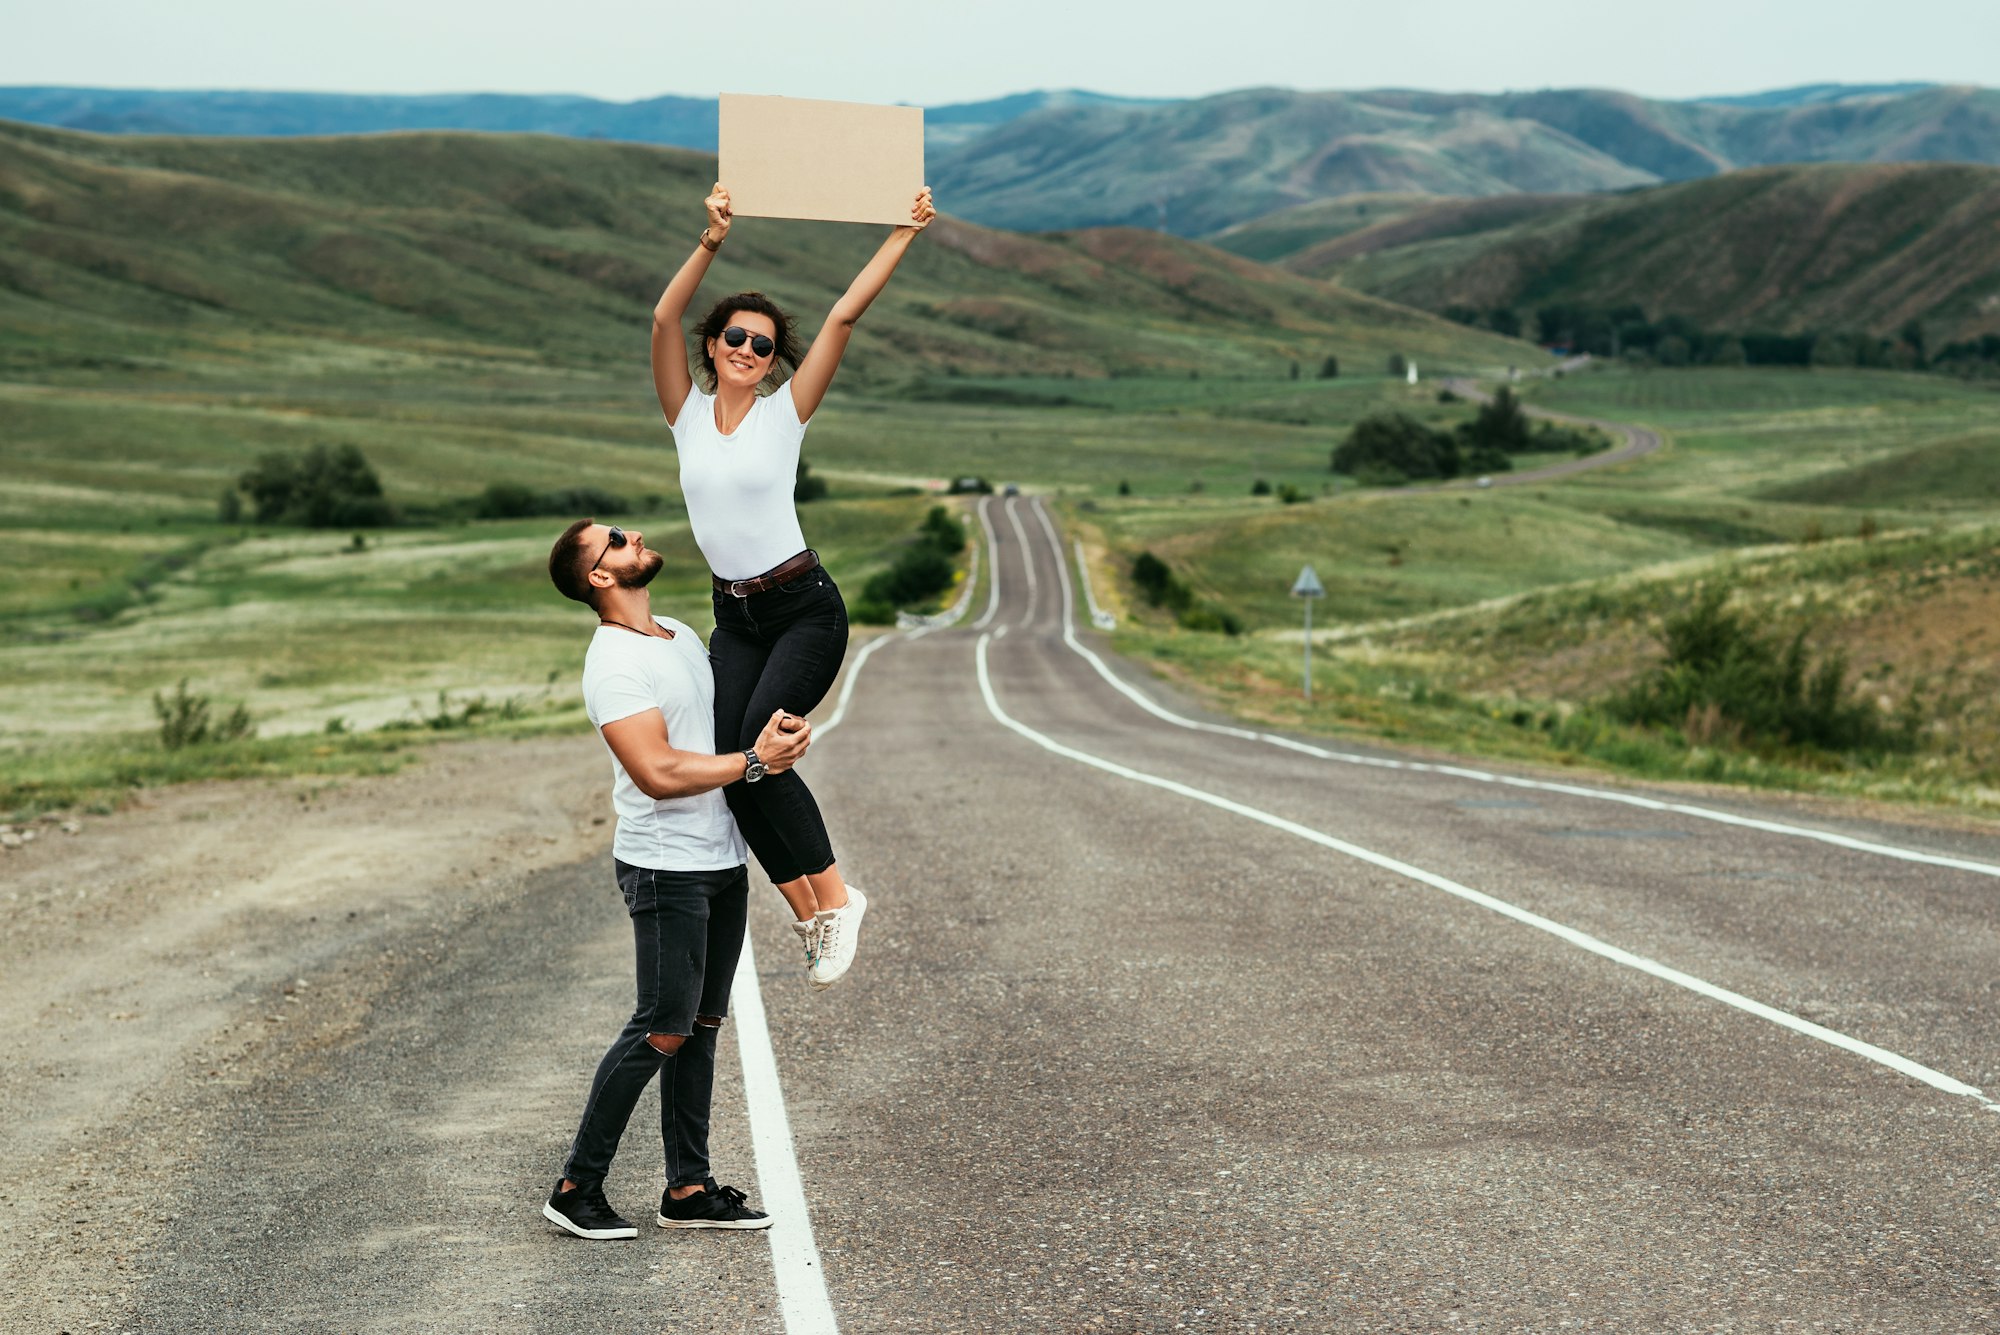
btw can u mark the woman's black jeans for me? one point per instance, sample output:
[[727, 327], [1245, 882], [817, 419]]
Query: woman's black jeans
[[687, 930], [780, 649]]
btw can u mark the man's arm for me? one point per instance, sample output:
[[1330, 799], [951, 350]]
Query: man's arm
[[662, 771]]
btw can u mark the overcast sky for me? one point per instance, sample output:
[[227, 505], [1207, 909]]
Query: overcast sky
[[900, 51]]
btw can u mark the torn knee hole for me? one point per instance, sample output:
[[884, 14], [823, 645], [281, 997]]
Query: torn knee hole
[[667, 1043], [708, 1021]]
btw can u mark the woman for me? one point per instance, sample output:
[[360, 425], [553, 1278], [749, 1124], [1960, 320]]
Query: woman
[[780, 625]]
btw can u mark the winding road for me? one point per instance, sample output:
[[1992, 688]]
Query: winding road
[[1165, 1024]]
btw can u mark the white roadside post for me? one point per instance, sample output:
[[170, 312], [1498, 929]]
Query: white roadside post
[[1308, 587]]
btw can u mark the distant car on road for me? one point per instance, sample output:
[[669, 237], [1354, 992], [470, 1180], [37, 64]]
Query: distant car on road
[[1010, 489]]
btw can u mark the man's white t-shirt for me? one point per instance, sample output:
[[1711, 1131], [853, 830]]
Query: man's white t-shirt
[[626, 673], [739, 486]]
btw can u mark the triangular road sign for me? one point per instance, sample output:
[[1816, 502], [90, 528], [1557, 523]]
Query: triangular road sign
[[1307, 585]]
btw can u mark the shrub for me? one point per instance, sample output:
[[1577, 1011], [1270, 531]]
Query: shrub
[[1396, 444], [1260, 488], [229, 508], [184, 720], [1330, 368], [869, 613], [807, 487], [1289, 495], [513, 500], [1398, 367], [1206, 616], [1124, 487], [944, 532], [920, 573], [1721, 678]]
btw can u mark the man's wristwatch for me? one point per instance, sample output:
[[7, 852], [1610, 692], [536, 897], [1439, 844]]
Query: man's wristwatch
[[754, 769]]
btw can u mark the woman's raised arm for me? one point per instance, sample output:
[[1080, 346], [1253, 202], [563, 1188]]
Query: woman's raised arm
[[670, 361], [815, 373]]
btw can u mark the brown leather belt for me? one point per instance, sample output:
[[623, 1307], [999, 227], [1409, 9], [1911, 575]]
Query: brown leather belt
[[783, 573]]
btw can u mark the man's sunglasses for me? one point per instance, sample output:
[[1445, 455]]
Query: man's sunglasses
[[613, 537], [760, 344]]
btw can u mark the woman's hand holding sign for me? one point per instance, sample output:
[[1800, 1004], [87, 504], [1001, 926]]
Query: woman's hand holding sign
[[719, 216]]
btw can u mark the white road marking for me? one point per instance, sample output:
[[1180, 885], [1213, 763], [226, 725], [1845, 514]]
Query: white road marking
[[992, 564], [1881, 1056], [1027, 561], [1482, 776], [795, 1262]]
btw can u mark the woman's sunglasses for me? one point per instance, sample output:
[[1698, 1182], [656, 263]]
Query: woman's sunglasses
[[613, 537], [760, 344]]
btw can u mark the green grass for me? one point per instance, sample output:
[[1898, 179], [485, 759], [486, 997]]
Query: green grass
[[1492, 621]]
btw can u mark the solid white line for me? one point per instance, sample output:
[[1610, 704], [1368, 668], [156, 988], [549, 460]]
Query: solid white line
[[1482, 776], [795, 1262], [1881, 1056], [1027, 559], [992, 564]]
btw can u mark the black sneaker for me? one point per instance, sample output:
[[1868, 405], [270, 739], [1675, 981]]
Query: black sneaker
[[711, 1207], [584, 1211]]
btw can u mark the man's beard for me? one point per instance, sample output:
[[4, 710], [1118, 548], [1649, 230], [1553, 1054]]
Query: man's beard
[[639, 575]]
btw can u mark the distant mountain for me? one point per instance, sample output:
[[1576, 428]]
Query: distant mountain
[[1814, 94], [1824, 247], [1202, 166], [683, 122]]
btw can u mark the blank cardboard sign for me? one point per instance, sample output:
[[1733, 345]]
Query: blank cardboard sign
[[793, 157]]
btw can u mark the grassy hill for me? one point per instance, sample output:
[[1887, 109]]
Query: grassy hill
[[554, 250], [1778, 248], [1860, 507], [1200, 166]]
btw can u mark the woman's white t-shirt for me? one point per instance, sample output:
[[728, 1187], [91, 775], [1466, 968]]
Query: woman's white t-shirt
[[625, 673], [739, 486]]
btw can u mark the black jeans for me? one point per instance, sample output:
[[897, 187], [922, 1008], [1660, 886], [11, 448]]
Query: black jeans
[[780, 649], [687, 930]]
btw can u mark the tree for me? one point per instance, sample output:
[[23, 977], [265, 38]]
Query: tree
[[1398, 367], [1330, 368], [329, 486], [1295, 370], [1394, 443], [1499, 425], [806, 487]]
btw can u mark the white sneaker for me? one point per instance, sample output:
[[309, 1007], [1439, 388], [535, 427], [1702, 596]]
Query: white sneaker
[[839, 932], [809, 938]]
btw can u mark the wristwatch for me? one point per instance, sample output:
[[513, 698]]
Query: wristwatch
[[755, 769]]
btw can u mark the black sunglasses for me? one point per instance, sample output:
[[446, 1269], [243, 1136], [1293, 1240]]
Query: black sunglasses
[[760, 344], [613, 537]]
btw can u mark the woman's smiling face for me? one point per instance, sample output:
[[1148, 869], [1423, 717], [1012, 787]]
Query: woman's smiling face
[[741, 367]]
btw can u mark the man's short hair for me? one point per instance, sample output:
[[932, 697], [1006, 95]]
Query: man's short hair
[[566, 565]]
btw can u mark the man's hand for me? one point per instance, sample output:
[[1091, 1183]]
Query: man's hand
[[784, 739]]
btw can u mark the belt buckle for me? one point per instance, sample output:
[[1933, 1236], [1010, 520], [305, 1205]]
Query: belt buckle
[[736, 588]]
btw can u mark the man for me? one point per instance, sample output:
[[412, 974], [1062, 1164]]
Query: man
[[680, 862]]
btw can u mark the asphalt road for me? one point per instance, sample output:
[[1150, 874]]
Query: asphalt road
[[1118, 1058]]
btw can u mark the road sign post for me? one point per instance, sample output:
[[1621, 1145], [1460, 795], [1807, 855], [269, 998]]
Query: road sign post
[[1307, 587]]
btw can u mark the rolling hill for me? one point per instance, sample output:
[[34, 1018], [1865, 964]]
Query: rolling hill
[[527, 246], [1825, 247]]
